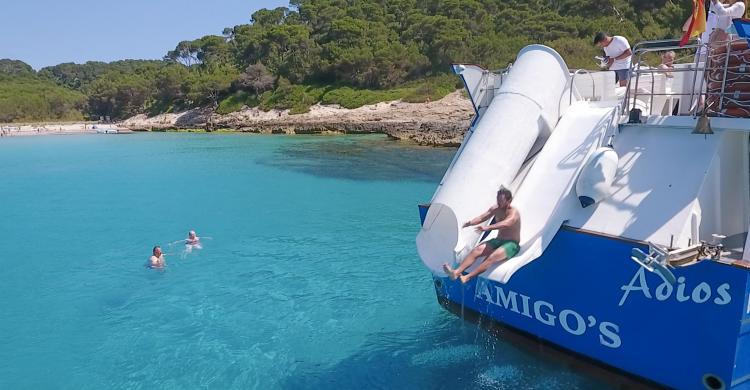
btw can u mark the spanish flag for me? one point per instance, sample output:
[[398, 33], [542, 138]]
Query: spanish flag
[[697, 22]]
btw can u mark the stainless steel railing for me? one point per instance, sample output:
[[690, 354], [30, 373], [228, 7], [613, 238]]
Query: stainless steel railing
[[702, 90], [572, 84]]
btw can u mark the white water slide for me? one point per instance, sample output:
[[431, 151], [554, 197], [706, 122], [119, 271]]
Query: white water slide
[[532, 101]]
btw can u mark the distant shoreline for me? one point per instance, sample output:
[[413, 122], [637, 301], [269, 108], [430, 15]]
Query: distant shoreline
[[439, 123], [47, 128]]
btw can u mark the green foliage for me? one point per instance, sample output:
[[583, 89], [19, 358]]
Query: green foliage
[[80, 76], [295, 98], [342, 52], [119, 95], [298, 98], [210, 50], [349, 97], [236, 101], [432, 89], [428, 89], [15, 68], [26, 98]]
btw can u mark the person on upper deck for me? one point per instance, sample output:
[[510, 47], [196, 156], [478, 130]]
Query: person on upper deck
[[667, 63], [506, 245], [617, 50]]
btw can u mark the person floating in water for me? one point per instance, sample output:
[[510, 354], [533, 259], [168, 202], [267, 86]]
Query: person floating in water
[[496, 250], [193, 240], [157, 258]]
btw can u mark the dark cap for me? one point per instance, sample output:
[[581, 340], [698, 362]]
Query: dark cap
[[600, 36]]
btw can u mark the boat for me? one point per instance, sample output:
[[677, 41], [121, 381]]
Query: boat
[[105, 130], [646, 272]]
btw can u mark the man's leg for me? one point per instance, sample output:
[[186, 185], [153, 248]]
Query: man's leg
[[494, 258], [622, 77], [480, 250]]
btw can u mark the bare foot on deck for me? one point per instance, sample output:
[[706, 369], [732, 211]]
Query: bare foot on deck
[[450, 271], [465, 279]]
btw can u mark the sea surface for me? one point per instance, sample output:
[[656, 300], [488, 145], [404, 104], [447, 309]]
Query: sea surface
[[310, 277]]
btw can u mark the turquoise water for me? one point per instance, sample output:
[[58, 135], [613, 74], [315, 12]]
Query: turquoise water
[[311, 278]]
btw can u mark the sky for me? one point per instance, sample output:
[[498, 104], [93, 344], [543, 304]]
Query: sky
[[49, 32]]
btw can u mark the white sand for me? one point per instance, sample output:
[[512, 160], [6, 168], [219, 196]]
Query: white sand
[[70, 128]]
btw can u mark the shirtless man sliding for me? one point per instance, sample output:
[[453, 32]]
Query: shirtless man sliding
[[506, 245]]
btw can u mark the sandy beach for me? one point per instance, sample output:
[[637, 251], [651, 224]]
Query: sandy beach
[[68, 128]]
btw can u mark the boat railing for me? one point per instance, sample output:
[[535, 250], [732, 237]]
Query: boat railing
[[639, 68], [488, 86], [573, 80], [708, 62], [503, 72]]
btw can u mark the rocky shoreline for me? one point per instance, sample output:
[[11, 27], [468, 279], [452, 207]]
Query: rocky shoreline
[[438, 123]]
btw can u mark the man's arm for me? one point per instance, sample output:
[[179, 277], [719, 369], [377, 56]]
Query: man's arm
[[736, 9], [487, 214], [625, 54], [508, 221]]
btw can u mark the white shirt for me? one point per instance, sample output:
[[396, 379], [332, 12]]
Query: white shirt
[[615, 48], [711, 21], [726, 13]]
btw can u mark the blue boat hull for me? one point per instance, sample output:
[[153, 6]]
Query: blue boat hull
[[586, 296]]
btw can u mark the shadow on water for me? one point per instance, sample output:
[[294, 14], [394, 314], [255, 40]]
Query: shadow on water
[[446, 354], [363, 158]]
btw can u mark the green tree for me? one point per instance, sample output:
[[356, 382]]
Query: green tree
[[15, 67]]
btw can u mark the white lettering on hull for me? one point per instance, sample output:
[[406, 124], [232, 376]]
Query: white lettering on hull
[[575, 324], [569, 320], [701, 293]]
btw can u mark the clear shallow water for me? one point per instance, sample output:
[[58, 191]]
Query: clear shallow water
[[311, 279]]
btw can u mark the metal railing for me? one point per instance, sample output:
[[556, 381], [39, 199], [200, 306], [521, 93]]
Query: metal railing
[[572, 84], [636, 71], [702, 85]]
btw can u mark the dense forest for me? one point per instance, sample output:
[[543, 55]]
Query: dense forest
[[349, 52]]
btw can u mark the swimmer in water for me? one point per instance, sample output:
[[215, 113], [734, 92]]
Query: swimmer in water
[[193, 240], [157, 258]]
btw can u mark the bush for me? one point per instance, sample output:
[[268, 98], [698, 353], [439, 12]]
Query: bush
[[295, 98], [298, 98], [348, 97], [431, 89], [27, 98], [236, 101]]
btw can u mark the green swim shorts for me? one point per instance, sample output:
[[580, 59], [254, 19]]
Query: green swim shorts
[[511, 247]]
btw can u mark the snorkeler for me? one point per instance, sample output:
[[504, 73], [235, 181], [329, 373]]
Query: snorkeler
[[157, 258]]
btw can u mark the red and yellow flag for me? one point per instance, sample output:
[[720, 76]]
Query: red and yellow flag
[[697, 22]]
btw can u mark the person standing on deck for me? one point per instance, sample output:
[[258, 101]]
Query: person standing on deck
[[506, 245], [617, 50]]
